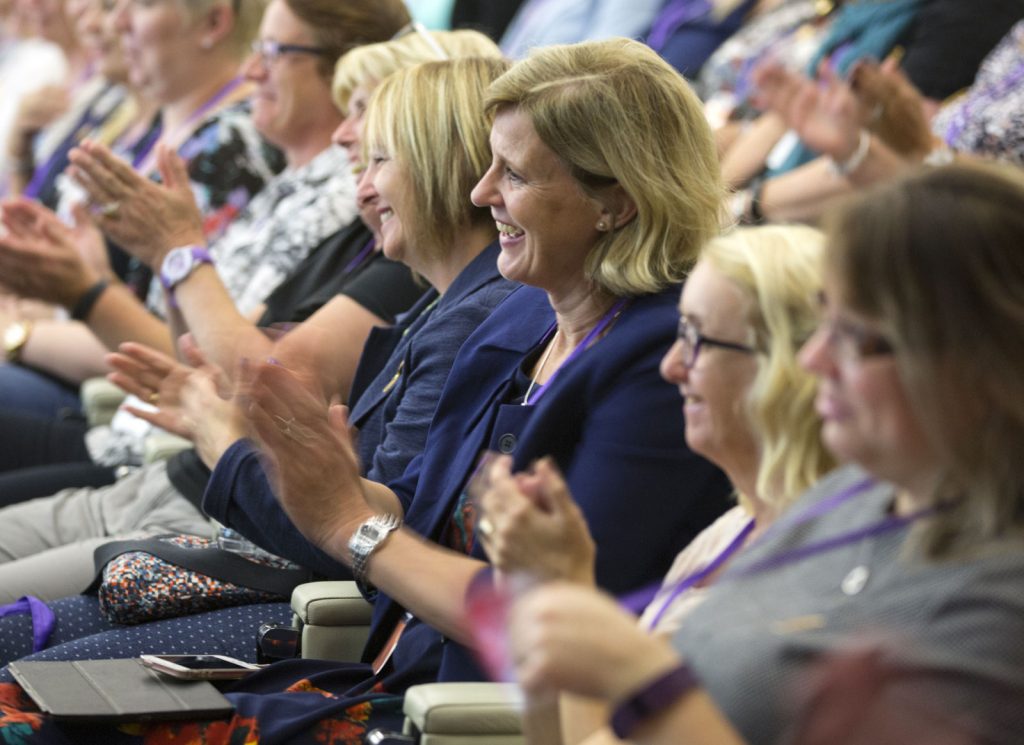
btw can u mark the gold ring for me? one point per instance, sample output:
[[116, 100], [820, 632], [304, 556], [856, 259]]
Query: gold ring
[[154, 398], [108, 209], [485, 527]]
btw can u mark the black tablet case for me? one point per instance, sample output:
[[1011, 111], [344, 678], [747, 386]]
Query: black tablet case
[[116, 691]]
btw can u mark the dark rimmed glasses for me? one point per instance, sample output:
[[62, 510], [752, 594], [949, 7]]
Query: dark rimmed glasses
[[691, 340], [270, 51]]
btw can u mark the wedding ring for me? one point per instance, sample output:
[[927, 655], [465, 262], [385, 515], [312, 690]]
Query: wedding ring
[[154, 398], [485, 527], [285, 425]]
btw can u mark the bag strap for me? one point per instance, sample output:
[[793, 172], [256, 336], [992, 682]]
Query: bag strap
[[212, 561]]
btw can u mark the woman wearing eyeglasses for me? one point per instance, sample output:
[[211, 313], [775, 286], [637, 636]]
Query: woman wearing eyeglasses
[[887, 604], [745, 310]]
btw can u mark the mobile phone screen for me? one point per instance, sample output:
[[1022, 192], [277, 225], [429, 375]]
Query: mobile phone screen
[[204, 662]]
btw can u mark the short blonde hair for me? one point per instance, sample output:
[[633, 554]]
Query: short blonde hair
[[431, 119], [374, 62], [778, 268], [615, 112]]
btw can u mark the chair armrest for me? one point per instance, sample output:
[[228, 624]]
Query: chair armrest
[[334, 618], [162, 445], [100, 400], [451, 713]]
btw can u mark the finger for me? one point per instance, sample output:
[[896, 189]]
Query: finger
[[115, 168], [143, 381], [159, 362], [170, 422], [190, 350], [129, 384], [173, 169], [554, 492]]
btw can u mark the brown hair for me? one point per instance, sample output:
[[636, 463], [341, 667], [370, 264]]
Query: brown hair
[[935, 260], [341, 25]]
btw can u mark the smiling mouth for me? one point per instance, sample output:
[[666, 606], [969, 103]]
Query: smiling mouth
[[509, 231]]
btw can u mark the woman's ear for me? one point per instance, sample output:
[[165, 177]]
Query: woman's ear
[[617, 207], [215, 25]]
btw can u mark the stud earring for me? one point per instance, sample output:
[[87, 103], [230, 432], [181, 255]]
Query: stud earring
[[602, 226], [206, 44]]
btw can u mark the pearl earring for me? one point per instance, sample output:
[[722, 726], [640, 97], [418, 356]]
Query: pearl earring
[[602, 226]]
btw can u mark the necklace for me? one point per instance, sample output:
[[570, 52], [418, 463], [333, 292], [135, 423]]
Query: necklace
[[540, 369]]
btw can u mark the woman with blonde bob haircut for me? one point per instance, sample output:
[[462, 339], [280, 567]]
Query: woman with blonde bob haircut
[[617, 115], [425, 110], [746, 310]]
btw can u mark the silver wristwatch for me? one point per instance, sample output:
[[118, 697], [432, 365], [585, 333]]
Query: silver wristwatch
[[367, 539]]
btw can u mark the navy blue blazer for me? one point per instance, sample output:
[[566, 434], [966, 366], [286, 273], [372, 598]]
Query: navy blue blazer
[[395, 391], [614, 427]]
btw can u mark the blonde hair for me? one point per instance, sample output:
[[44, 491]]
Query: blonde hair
[[934, 259], [375, 62], [431, 119], [778, 268], [615, 112]]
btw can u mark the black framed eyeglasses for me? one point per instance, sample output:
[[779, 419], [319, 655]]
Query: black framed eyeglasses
[[270, 51], [691, 340]]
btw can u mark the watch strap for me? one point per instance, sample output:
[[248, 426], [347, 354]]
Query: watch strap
[[367, 538], [652, 699]]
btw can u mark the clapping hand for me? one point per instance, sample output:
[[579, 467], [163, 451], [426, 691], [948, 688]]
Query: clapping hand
[[529, 522], [40, 257], [146, 218]]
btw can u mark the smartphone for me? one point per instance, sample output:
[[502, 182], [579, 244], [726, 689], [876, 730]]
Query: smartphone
[[199, 666]]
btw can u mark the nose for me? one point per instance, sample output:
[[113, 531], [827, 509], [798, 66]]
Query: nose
[[816, 355], [485, 193], [345, 135], [366, 192], [672, 368], [253, 68]]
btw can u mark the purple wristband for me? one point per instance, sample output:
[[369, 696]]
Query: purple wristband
[[652, 699]]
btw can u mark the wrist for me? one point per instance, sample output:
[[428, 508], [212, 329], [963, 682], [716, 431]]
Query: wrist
[[86, 300], [844, 166], [651, 698]]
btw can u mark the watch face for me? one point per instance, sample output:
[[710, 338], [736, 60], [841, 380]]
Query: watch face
[[177, 264], [14, 335]]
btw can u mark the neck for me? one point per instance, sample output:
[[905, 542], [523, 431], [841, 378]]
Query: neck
[[468, 244], [577, 311], [744, 480], [308, 147], [176, 114]]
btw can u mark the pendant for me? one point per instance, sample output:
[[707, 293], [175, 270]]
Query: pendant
[[855, 580]]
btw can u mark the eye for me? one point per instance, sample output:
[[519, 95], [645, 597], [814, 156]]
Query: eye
[[512, 176]]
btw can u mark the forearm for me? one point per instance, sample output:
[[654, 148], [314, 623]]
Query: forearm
[[746, 157], [427, 579], [119, 317], [694, 719], [67, 350], [223, 334]]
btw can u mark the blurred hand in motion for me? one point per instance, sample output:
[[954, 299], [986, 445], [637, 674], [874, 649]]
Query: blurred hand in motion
[[310, 450], [40, 256], [146, 218], [570, 638], [529, 522]]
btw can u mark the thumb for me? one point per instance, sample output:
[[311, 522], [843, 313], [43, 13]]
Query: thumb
[[172, 169]]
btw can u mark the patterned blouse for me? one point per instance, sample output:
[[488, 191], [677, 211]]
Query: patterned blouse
[[988, 118]]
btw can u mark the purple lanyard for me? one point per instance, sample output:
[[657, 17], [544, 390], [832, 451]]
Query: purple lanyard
[[210, 103], [603, 324], [87, 122], [985, 96], [359, 258], [672, 17], [695, 578], [43, 619], [885, 525]]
